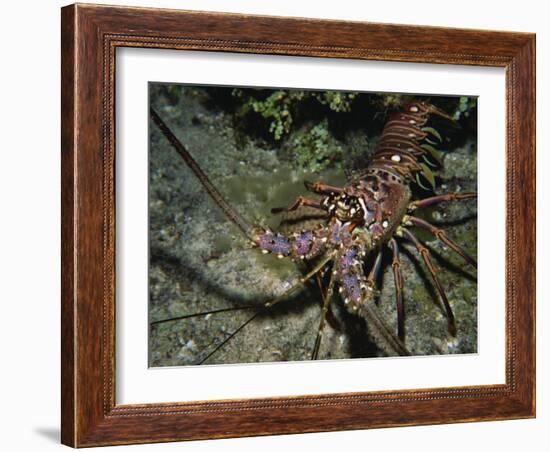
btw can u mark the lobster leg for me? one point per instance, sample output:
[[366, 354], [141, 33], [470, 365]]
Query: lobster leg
[[440, 235], [396, 267], [375, 270], [358, 296], [300, 201], [322, 189], [324, 312], [427, 202], [331, 318], [423, 251]]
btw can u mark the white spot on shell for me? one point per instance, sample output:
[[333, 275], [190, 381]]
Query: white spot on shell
[[396, 158], [414, 109], [385, 224]]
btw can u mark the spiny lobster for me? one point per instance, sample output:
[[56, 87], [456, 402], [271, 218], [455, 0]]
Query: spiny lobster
[[363, 218]]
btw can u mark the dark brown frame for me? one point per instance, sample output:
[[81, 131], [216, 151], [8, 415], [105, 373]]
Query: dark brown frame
[[90, 36]]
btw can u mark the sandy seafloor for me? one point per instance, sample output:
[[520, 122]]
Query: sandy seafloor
[[199, 261]]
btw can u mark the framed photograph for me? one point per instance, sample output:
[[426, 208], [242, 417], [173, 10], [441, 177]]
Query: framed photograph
[[281, 225]]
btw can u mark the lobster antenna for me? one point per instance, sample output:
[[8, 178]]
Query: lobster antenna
[[228, 338], [199, 314], [231, 213]]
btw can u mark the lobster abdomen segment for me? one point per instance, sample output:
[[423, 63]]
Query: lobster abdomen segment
[[402, 143]]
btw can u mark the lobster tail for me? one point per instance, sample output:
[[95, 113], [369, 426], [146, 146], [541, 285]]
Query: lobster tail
[[406, 147]]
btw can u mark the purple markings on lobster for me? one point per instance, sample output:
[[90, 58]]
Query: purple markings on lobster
[[302, 244], [273, 243], [347, 260], [352, 288]]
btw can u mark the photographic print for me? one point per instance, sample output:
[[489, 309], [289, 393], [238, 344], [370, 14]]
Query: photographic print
[[294, 225]]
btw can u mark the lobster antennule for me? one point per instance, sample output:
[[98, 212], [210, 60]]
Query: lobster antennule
[[216, 196]]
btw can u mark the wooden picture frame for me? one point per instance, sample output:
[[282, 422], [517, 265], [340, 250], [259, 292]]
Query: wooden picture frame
[[90, 36]]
